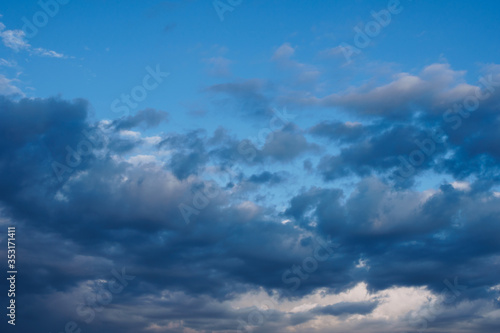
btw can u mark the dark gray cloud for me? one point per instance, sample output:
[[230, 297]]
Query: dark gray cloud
[[287, 144], [422, 235], [380, 153], [147, 117], [266, 177], [346, 308], [340, 132], [113, 212], [250, 96]]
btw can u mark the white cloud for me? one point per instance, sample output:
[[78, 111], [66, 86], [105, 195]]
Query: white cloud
[[130, 134], [48, 53], [395, 304], [285, 51], [152, 140], [15, 40], [7, 63], [7, 88], [142, 159], [461, 186]]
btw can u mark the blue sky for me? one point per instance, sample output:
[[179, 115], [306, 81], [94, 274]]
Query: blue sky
[[216, 149], [107, 57]]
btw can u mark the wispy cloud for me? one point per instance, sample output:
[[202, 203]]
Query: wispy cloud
[[15, 40], [7, 87], [7, 63]]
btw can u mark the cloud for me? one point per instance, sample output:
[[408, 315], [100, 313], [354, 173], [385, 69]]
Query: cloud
[[374, 154], [345, 308], [282, 145], [407, 222], [435, 89], [7, 63], [284, 52], [47, 53], [415, 124], [147, 117], [301, 73], [15, 40], [430, 92], [287, 144], [219, 66], [340, 132], [119, 207], [8, 88], [249, 96], [266, 177]]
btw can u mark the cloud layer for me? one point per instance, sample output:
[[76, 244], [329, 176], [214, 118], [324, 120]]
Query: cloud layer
[[215, 241]]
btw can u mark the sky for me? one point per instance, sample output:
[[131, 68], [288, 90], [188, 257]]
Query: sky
[[235, 166]]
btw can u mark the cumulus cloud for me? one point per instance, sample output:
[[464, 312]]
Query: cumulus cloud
[[118, 206]]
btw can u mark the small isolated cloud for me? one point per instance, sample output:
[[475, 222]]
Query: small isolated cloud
[[249, 96], [285, 51], [218, 66], [47, 53]]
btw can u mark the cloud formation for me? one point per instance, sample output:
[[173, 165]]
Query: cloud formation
[[15, 40], [248, 258]]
